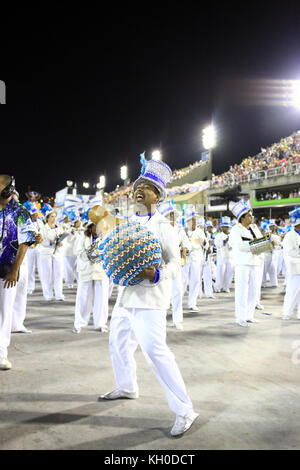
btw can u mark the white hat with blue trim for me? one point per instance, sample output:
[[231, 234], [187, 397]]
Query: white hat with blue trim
[[225, 221], [155, 172], [240, 208], [295, 216]]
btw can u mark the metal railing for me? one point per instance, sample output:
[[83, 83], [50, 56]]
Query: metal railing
[[255, 176]]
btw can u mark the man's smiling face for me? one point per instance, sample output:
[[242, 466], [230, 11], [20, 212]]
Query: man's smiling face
[[147, 195]]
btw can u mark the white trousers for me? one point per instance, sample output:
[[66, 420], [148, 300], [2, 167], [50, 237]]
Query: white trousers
[[176, 299], [147, 328], [33, 263], [206, 277], [246, 282], [191, 276], [92, 296], [69, 269], [20, 303], [7, 300], [224, 273], [292, 295], [52, 276], [270, 268]]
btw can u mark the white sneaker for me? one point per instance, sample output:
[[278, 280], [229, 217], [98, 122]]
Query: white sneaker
[[210, 296], [116, 394], [253, 321], [259, 307], [23, 329], [76, 330], [242, 323], [193, 309], [227, 291], [102, 329], [183, 423], [30, 292], [5, 364], [178, 326]]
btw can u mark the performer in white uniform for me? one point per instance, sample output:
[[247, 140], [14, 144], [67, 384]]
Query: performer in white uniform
[[69, 258], [139, 316], [93, 284], [291, 253], [168, 210], [51, 258], [33, 254], [225, 266], [247, 265], [193, 270], [271, 258]]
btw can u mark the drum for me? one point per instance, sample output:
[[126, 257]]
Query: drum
[[261, 245], [126, 249]]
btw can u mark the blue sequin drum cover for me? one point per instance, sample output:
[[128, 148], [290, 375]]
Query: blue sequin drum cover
[[127, 250]]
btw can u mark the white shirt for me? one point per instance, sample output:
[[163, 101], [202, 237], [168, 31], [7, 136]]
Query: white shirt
[[87, 271], [291, 252], [47, 247], [223, 249], [240, 248], [198, 241]]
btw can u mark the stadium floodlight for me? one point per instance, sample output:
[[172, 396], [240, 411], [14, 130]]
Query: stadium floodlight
[[124, 172], [156, 155], [69, 183], [101, 183], [295, 98], [85, 184], [209, 137]]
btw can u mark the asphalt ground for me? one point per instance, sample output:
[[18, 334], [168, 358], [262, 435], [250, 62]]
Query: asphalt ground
[[244, 382]]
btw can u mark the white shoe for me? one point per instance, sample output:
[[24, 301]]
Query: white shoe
[[183, 423], [76, 330], [23, 329], [116, 394], [70, 286], [102, 329], [30, 292], [259, 307], [61, 299], [193, 309], [227, 291], [285, 317], [178, 326], [242, 323], [253, 321], [5, 364], [210, 296]]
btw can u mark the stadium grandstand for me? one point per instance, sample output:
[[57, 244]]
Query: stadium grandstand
[[271, 179]]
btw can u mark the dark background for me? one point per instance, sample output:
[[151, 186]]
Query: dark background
[[90, 89]]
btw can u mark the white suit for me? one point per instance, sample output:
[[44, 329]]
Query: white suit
[[139, 318], [291, 253], [225, 266], [247, 271], [51, 262], [271, 263], [192, 271], [92, 289]]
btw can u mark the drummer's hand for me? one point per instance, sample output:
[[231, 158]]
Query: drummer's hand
[[147, 273], [38, 238], [10, 279]]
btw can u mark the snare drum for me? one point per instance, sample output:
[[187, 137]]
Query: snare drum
[[261, 245]]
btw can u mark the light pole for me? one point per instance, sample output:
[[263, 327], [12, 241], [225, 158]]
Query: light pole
[[209, 140], [156, 155]]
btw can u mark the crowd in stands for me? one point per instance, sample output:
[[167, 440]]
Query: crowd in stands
[[269, 195], [279, 155]]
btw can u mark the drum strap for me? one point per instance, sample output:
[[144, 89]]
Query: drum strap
[[253, 234]]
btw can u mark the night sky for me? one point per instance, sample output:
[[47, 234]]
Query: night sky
[[88, 90]]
